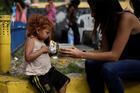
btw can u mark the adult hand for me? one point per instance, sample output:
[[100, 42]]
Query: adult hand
[[71, 52]]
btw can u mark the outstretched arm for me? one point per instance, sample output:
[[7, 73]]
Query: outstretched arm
[[122, 36]]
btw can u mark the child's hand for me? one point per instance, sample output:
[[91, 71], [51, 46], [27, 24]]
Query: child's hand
[[44, 49]]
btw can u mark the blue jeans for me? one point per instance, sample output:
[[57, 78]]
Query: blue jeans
[[110, 73]]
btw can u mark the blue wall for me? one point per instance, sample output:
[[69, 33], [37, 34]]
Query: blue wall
[[18, 35]]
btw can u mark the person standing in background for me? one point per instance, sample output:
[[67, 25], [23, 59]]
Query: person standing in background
[[51, 12], [20, 13], [71, 15]]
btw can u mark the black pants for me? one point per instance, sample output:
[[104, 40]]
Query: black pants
[[111, 74], [45, 83], [76, 33]]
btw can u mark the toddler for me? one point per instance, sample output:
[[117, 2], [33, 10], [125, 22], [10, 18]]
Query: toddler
[[37, 61]]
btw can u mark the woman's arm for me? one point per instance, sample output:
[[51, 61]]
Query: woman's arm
[[122, 36], [29, 55]]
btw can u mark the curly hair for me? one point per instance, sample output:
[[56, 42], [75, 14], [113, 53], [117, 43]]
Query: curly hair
[[37, 23]]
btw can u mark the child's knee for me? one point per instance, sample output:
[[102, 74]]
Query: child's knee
[[66, 83]]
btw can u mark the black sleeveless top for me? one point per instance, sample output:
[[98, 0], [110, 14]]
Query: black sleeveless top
[[132, 48]]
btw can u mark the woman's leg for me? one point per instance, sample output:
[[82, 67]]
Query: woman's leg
[[113, 71], [94, 77]]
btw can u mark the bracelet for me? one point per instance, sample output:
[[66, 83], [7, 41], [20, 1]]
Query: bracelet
[[83, 56], [84, 51]]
